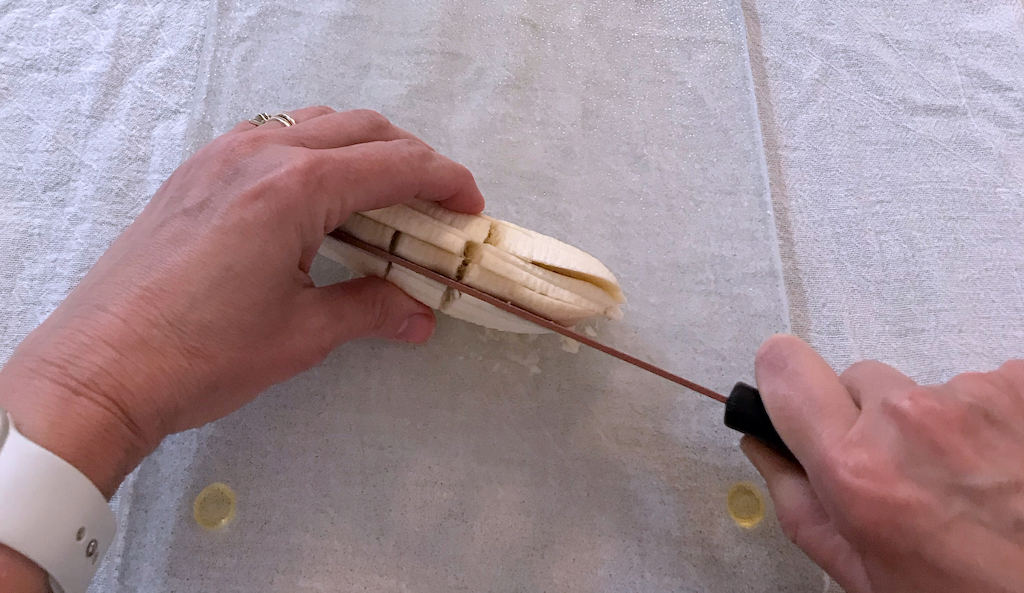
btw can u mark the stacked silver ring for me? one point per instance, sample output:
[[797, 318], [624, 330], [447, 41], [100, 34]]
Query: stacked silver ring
[[283, 118], [262, 118]]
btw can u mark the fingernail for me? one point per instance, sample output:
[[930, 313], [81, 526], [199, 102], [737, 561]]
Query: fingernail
[[772, 362], [416, 329]]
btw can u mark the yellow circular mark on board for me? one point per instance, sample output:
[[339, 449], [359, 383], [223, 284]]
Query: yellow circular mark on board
[[746, 504], [215, 506]]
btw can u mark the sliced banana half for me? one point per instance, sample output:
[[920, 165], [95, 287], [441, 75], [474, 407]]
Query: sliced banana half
[[550, 253], [417, 224], [370, 231], [536, 272]]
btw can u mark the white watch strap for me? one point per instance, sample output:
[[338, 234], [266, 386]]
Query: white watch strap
[[51, 513]]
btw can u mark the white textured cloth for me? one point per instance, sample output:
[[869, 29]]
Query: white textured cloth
[[893, 137], [97, 99], [895, 141]]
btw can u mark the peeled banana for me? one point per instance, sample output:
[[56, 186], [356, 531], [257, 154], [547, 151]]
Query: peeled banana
[[530, 270]]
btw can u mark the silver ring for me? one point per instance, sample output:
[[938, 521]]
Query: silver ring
[[259, 119], [283, 118]]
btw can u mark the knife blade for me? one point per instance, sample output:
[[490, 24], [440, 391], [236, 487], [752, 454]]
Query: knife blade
[[744, 408]]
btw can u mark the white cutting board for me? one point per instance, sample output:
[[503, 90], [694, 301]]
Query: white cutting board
[[487, 462]]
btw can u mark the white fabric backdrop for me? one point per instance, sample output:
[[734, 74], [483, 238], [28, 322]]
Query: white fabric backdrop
[[895, 141]]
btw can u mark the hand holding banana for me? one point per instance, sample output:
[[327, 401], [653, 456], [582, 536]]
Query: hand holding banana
[[206, 300]]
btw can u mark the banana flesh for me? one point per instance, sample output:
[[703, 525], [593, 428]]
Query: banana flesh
[[530, 270], [573, 291], [471, 309], [429, 292], [421, 226], [507, 290], [427, 255], [370, 231], [550, 253], [475, 227], [354, 258]]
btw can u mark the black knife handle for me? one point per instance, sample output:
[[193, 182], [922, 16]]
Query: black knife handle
[[744, 412]]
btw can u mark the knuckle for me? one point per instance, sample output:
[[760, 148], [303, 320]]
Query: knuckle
[[320, 342], [318, 110], [863, 368], [307, 166], [315, 351], [463, 177], [298, 178], [381, 311], [326, 344], [1011, 374], [928, 415], [997, 388], [913, 407], [413, 151], [282, 181], [237, 146], [986, 397], [971, 383], [841, 469], [791, 525], [294, 169], [1012, 368], [370, 119], [858, 484], [231, 157]]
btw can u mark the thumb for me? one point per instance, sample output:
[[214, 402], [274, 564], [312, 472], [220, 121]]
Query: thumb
[[372, 307], [807, 403]]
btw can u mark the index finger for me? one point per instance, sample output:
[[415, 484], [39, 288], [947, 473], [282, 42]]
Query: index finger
[[375, 175], [345, 128], [806, 401]]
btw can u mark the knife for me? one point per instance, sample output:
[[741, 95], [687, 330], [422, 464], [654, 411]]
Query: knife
[[744, 408]]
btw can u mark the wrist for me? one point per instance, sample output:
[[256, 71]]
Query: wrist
[[76, 424]]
